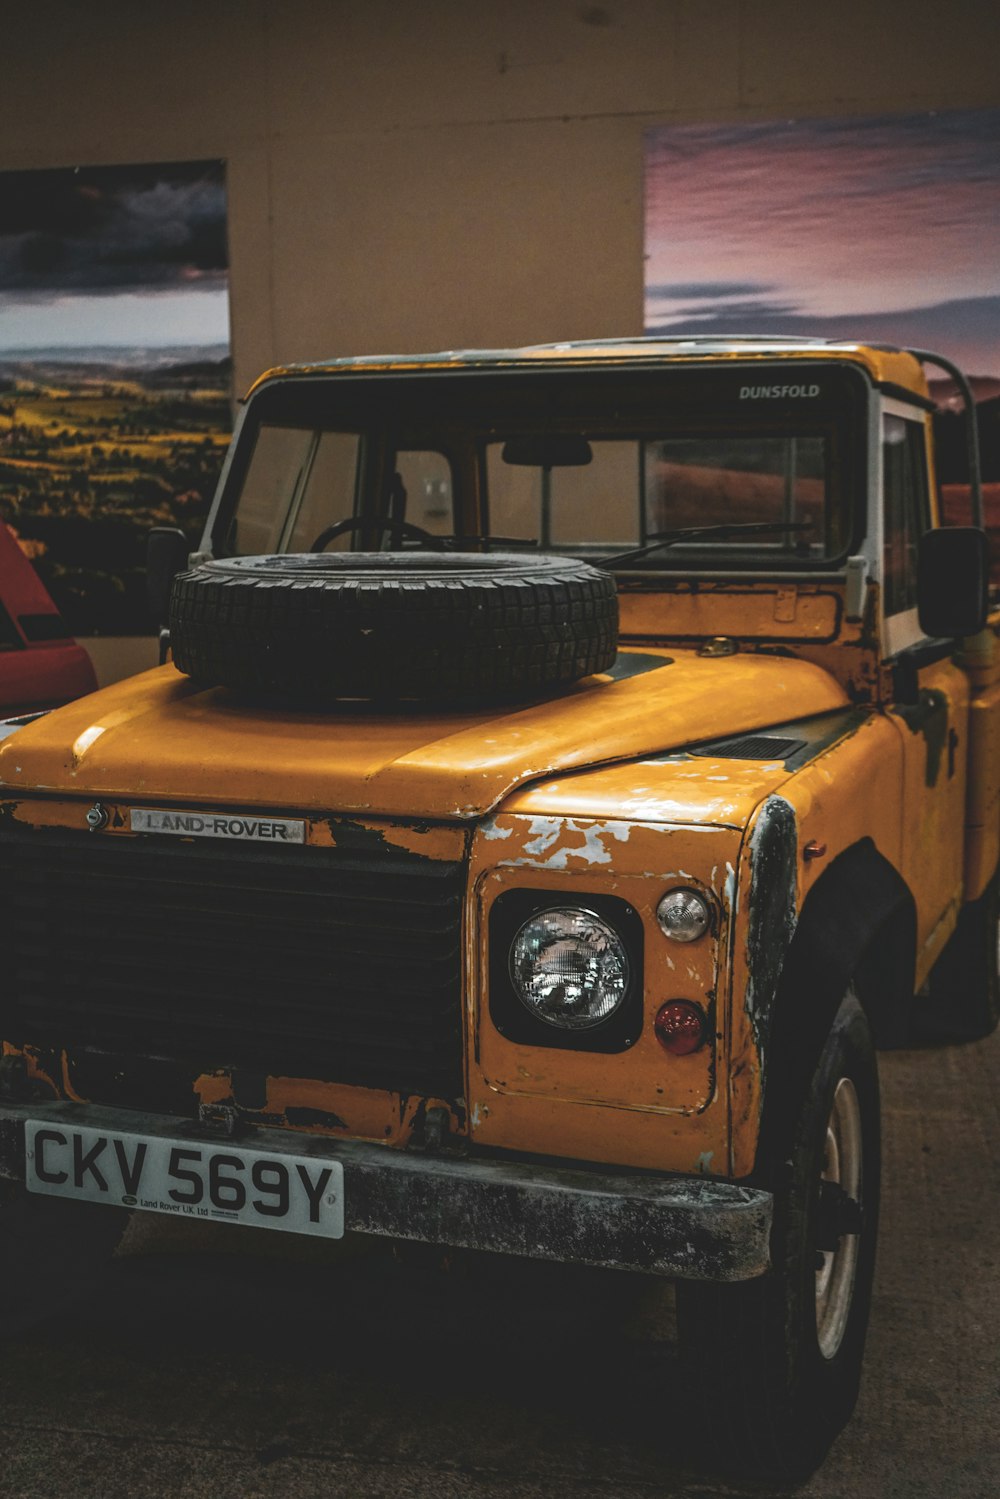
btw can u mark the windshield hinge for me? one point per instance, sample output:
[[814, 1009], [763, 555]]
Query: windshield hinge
[[854, 593]]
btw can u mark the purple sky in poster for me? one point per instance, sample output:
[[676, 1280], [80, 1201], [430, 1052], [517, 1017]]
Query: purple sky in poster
[[885, 228]]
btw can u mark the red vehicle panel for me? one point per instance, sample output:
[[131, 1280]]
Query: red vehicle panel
[[40, 664]]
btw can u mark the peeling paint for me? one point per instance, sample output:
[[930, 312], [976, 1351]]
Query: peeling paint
[[731, 893], [705, 1162], [929, 718], [425, 842], [546, 832]]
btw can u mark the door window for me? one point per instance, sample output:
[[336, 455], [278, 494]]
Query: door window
[[906, 516]]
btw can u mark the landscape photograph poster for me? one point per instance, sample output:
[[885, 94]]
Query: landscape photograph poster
[[115, 372], [871, 229]]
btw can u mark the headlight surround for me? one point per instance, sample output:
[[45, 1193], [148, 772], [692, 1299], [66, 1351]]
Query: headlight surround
[[512, 910], [569, 968]]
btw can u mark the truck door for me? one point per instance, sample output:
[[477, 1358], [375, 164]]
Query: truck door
[[931, 707]]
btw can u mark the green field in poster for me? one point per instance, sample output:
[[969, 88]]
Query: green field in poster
[[115, 377]]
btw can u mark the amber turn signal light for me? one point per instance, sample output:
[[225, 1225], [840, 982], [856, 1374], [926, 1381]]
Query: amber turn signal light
[[680, 1027]]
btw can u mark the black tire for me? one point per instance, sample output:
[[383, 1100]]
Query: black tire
[[962, 1002], [393, 625], [761, 1372]]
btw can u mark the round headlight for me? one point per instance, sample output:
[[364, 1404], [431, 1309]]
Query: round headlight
[[683, 915], [569, 968]]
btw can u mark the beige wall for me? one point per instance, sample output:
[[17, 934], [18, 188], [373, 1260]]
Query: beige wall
[[117, 656], [410, 174]]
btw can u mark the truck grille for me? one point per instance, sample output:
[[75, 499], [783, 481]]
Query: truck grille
[[342, 964]]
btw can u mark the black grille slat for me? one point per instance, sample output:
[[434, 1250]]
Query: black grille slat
[[311, 962], [124, 968], [318, 967], [309, 1029], [216, 951], [354, 942], [117, 1022], [176, 894], [36, 988]]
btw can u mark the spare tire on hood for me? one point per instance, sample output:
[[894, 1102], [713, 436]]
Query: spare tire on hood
[[428, 626]]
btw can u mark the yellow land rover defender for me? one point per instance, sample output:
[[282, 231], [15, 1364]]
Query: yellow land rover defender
[[571, 761]]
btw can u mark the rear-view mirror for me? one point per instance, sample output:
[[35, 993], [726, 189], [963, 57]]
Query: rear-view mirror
[[553, 450]]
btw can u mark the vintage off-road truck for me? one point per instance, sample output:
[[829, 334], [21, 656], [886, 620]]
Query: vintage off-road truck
[[571, 760]]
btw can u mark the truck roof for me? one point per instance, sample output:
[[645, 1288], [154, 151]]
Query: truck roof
[[883, 362]]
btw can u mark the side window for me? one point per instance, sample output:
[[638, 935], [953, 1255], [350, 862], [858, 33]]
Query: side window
[[906, 510], [298, 482], [280, 457], [327, 495]]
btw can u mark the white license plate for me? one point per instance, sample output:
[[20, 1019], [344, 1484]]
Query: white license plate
[[188, 1178]]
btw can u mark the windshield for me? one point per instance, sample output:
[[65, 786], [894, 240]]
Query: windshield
[[590, 467], [628, 491]]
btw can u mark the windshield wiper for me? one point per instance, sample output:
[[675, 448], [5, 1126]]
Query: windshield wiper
[[526, 543], [662, 539]]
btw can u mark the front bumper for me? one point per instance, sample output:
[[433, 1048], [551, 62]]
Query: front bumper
[[692, 1227]]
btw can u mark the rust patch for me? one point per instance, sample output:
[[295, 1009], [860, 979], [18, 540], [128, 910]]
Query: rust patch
[[432, 841], [928, 717], [213, 1087], [314, 1119], [771, 911]]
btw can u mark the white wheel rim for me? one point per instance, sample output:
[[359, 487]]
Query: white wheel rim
[[836, 1269]]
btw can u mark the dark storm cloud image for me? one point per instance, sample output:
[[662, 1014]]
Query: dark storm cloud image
[[882, 227], [124, 256], [102, 230]]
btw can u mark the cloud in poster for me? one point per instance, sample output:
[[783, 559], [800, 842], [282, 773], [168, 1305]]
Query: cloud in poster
[[105, 230], [880, 227], [113, 255]]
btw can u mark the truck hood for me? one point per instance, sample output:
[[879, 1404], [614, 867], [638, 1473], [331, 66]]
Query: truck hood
[[159, 738]]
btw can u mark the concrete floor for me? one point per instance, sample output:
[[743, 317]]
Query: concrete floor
[[180, 1372]]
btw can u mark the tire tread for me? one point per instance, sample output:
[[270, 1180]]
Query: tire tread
[[454, 636]]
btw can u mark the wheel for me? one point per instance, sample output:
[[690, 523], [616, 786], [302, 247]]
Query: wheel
[[962, 1002], [422, 626], [777, 1360]]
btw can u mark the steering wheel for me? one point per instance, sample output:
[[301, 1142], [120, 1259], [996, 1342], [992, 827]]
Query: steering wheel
[[356, 523]]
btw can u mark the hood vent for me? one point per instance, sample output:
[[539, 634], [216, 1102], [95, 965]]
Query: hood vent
[[752, 747]]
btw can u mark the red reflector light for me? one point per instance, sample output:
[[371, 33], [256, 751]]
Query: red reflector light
[[680, 1027]]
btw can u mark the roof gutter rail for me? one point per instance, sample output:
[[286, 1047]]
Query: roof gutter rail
[[971, 428]]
